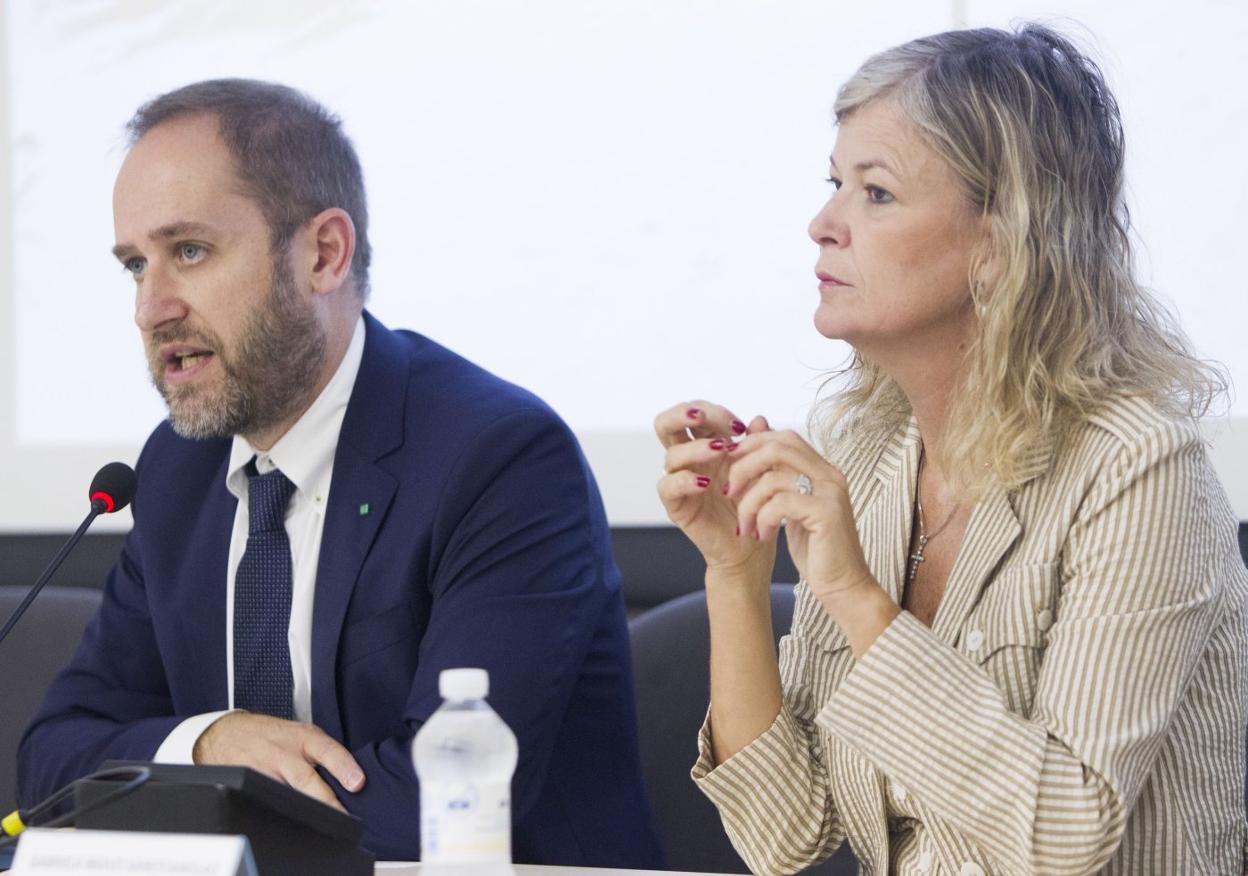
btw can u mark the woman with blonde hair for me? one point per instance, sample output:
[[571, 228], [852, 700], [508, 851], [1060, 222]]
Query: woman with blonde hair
[[1020, 643]]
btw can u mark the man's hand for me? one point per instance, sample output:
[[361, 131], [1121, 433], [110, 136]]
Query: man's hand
[[288, 751]]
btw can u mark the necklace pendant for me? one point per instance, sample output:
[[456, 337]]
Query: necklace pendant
[[916, 558]]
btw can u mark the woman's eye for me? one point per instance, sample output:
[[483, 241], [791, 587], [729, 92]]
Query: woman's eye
[[877, 195], [836, 183]]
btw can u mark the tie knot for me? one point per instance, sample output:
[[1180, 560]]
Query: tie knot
[[267, 498]]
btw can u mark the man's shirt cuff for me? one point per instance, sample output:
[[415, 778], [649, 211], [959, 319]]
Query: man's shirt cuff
[[179, 746]]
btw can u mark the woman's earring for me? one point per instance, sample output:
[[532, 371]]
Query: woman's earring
[[977, 296]]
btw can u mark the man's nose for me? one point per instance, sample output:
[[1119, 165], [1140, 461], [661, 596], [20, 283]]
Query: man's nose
[[158, 300]]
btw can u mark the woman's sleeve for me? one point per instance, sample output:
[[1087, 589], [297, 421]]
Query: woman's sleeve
[[1144, 569], [773, 795]]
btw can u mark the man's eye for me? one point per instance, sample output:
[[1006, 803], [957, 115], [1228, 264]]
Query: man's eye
[[135, 266], [191, 252], [877, 195]]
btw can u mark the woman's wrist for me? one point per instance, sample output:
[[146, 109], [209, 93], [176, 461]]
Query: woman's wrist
[[861, 608], [834, 595], [746, 576]]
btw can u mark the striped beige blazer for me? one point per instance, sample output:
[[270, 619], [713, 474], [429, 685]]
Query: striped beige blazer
[[1077, 706]]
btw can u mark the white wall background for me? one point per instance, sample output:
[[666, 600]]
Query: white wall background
[[605, 202]]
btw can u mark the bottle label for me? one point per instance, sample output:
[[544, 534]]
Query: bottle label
[[464, 821]]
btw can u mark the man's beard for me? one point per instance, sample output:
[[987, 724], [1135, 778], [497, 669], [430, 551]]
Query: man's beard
[[267, 377]]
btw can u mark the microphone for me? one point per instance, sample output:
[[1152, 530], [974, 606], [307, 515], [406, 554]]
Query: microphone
[[111, 489]]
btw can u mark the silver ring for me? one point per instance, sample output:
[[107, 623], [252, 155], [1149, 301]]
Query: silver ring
[[803, 484]]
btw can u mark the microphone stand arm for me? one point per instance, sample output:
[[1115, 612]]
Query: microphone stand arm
[[97, 508]]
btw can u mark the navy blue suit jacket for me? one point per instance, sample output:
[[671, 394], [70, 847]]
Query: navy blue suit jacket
[[484, 543]]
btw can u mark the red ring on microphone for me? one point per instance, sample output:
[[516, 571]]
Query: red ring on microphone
[[106, 498]]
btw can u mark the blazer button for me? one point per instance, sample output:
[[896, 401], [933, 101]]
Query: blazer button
[[974, 640], [1044, 619], [970, 868]]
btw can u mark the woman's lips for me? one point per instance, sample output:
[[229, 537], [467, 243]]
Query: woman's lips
[[828, 281]]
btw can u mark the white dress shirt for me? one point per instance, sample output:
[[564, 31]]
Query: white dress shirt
[[305, 454]]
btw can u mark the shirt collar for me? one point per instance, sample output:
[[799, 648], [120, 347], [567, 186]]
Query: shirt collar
[[305, 454]]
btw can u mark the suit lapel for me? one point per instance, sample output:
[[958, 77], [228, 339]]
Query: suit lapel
[[202, 576], [360, 496]]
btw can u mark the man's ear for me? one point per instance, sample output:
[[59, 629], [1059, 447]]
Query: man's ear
[[328, 248]]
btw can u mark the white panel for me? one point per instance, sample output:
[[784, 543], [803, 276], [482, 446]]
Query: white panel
[[605, 202], [1178, 72], [1178, 75]]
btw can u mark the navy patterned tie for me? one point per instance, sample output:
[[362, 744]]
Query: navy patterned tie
[[262, 677]]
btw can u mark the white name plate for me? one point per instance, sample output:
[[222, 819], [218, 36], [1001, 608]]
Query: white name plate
[[130, 853]]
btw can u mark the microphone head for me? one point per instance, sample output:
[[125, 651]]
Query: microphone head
[[112, 488]]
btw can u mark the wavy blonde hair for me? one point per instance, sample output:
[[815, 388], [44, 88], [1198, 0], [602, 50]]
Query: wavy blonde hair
[[1028, 125]]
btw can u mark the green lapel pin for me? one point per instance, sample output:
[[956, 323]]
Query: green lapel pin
[[363, 509]]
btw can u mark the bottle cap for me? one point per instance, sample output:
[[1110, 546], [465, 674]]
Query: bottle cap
[[463, 684]]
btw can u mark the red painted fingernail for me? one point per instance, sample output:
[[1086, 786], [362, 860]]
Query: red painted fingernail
[[717, 444], [738, 427], [693, 413], [724, 488], [703, 481], [732, 445]]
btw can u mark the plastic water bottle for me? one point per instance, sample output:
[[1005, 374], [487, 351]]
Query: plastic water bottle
[[465, 756]]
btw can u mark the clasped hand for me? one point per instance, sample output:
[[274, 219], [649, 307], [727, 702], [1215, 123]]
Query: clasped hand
[[731, 487]]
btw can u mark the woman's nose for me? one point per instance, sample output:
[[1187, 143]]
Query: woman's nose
[[828, 227]]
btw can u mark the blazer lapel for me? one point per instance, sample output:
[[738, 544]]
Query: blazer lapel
[[992, 530], [884, 515], [884, 518], [360, 496]]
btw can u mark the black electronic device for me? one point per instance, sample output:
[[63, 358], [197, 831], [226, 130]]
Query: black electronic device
[[291, 834]]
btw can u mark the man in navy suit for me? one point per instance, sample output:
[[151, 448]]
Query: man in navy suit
[[334, 513]]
